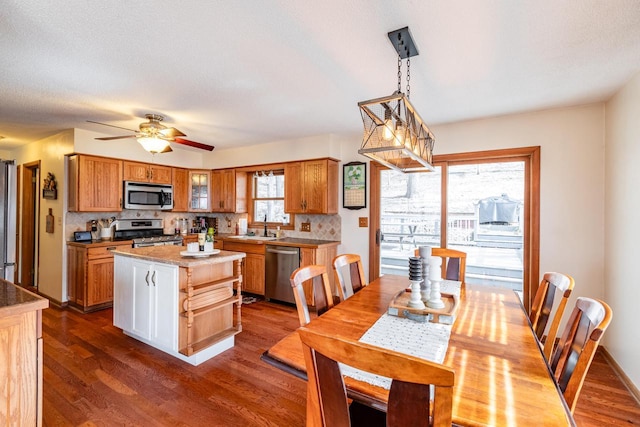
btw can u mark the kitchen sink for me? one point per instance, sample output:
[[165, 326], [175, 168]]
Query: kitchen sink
[[251, 237]]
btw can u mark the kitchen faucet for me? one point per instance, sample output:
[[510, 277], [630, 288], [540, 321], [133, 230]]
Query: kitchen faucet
[[265, 226]]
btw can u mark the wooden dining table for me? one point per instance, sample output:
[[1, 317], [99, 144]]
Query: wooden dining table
[[501, 376]]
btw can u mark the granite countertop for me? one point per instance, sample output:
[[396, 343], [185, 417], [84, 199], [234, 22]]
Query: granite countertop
[[171, 255], [15, 300], [99, 243], [285, 241]]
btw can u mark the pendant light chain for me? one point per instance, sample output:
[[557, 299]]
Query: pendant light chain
[[399, 74], [408, 78]]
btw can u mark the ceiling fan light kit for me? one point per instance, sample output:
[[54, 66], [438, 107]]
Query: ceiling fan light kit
[[394, 133], [154, 145], [155, 137]]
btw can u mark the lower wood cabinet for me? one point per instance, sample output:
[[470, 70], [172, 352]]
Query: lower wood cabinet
[[253, 266], [322, 255], [90, 274]]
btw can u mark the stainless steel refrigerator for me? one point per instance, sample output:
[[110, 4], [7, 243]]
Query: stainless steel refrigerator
[[7, 219]]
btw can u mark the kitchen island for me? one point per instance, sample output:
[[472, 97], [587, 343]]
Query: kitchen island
[[21, 354], [183, 305]]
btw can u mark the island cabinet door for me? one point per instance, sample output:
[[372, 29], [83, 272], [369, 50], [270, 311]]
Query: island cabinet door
[[164, 306], [141, 295]]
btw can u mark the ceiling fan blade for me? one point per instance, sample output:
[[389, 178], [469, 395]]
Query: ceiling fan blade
[[171, 133], [109, 138], [113, 126], [194, 144]]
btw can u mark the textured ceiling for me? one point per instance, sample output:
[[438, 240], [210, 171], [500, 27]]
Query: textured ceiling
[[230, 73]]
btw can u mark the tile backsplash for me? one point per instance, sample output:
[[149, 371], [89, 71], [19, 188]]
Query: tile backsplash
[[323, 227]]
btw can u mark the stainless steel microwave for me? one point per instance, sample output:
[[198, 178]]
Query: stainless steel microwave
[[142, 195]]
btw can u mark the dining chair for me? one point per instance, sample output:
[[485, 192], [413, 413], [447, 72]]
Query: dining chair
[[454, 263], [409, 396], [577, 346], [542, 306], [323, 298], [352, 283]]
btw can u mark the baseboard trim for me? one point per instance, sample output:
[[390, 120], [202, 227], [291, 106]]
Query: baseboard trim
[[620, 372]]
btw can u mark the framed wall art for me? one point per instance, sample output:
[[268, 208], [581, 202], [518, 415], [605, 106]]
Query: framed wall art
[[354, 185]]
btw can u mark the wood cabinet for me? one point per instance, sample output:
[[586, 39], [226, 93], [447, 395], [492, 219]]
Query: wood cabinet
[[253, 269], [21, 355], [311, 187], [199, 191], [95, 184], [146, 172], [90, 274], [322, 255], [228, 191], [180, 181]]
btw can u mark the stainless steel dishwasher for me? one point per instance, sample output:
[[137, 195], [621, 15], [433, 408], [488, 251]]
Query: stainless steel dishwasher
[[280, 262]]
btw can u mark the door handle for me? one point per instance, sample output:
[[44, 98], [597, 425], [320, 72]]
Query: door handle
[[378, 237], [146, 278], [280, 251], [153, 278]]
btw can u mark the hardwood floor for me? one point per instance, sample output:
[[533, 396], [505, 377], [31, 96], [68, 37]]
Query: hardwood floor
[[96, 375]]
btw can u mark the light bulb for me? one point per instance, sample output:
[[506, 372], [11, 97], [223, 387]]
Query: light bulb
[[399, 133], [387, 132]]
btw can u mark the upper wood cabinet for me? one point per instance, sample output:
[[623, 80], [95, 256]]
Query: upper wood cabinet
[[146, 172], [311, 187], [228, 191], [180, 181], [95, 184], [199, 191]]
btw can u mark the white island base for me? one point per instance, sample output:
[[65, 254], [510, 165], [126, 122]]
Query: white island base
[[184, 306]]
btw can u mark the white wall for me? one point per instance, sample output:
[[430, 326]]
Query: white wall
[[51, 265], [622, 204]]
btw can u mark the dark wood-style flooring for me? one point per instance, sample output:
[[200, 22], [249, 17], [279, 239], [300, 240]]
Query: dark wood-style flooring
[[94, 375]]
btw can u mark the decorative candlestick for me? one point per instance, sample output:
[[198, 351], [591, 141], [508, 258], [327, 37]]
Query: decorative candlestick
[[435, 299], [425, 289], [415, 276]]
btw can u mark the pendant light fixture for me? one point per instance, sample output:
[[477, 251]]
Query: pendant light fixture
[[394, 133]]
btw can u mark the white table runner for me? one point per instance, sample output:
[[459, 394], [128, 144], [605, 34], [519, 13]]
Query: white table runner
[[426, 340]]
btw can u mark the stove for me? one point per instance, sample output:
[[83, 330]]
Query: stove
[[144, 232]]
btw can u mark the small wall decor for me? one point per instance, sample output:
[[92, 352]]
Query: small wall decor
[[354, 185], [50, 190], [49, 222]]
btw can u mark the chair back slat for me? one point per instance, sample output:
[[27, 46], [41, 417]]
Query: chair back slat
[[320, 289], [335, 408], [399, 413], [352, 264], [577, 346], [454, 262], [543, 305]]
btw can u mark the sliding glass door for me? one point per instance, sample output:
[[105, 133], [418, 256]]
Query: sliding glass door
[[485, 204]]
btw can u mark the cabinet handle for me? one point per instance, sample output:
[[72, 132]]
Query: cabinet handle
[[146, 279], [153, 278], [112, 248]]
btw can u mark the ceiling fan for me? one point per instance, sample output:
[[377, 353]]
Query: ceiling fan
[[154, 136]]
